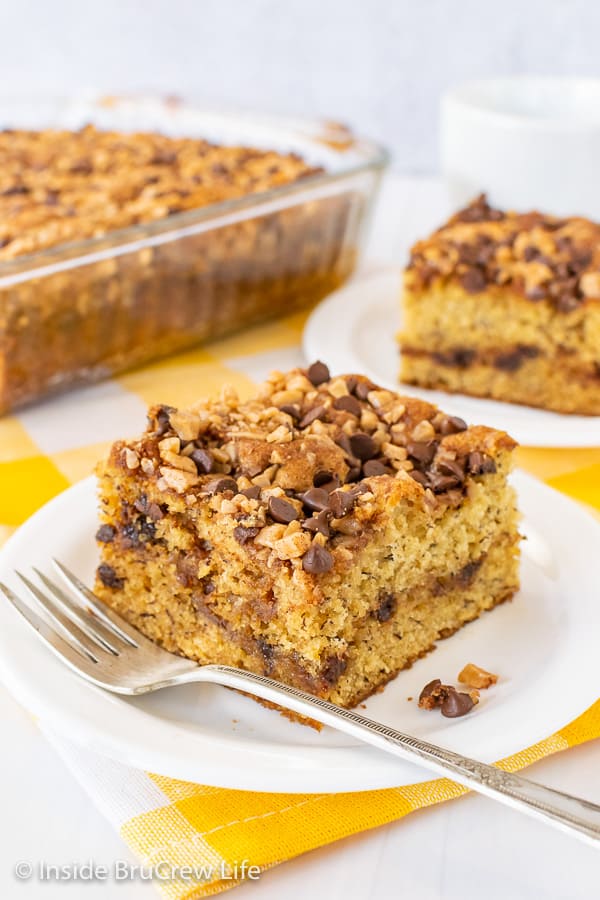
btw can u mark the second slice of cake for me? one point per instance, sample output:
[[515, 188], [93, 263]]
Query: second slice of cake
[[506, 305], [326, 532]]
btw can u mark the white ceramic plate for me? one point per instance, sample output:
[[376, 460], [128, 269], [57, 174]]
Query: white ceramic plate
[[544, 645], [354, 330]]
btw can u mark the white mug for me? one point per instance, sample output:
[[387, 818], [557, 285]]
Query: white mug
[[527, 142]]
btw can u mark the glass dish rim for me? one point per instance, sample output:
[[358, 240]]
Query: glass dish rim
[[81, 252]]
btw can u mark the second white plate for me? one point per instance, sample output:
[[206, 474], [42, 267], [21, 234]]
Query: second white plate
[[354, 330]]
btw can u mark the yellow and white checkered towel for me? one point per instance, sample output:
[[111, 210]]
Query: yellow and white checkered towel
[[169, 823]]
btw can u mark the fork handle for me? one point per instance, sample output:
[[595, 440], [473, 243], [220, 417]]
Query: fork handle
[[570, 814]]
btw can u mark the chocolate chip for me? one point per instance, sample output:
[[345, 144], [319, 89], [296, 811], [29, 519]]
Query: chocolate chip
[[439, 484], [567, 303], [109, 577], [315, 499], [456, 704], [374, 467], [363, 446], [106, 534], [318, 524], [204, 460], [334, 667], [282, 511], [364, 388], [480, 463], [354, 473], [162, 420], [252, 493], [218, 485], [452, 425], [538, 292], [317, 560], [244, 533], [155, 512], [318, 373], [422, 451], [348, 404], [387, 607], [530, 253], [452, 467], [432, 694], [322, 477], [473, 281], [292, 409], [341, 502], [421, 477], [315, 413]]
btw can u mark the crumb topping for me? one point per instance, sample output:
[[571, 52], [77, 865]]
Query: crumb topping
[[541, 257], [61, 186], [298, 466]]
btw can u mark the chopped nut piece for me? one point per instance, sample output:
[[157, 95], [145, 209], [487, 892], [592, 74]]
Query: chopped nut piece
[[132, 460], [476, 677], [185, 424]]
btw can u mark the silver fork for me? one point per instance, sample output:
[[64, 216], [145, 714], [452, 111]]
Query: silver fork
[[103, 648]]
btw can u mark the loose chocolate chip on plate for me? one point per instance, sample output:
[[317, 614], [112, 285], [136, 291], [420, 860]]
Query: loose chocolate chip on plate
[[309, 417], [243, 533], [363, 446], [456, 704], [317, 560], [282, 511], [318, 523], [204, 460], [341, 502], [106, 534], [318, 373], [221, 484], [374, 467], [348, 404], [315, 499], [480, 463], [432, 694]]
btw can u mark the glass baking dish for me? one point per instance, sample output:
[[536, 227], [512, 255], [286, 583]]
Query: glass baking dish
[[79, 312]]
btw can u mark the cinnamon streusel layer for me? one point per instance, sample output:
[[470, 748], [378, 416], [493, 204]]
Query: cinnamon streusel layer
[[326, 532]]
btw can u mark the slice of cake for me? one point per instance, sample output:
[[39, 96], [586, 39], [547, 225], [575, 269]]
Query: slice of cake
[[507, 306], [326, 532]]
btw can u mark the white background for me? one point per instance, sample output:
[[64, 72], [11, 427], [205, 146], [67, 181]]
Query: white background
[[378, 64]]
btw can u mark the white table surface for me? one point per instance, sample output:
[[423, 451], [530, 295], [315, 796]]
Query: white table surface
[[463, 850]]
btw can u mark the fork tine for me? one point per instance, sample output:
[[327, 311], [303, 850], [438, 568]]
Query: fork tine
[[89, 624], [67, 629], [76, 657], [113, 621]]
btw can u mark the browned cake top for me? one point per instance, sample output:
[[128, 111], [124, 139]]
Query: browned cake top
[[61, 186], [540, 257], [307, 455]]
